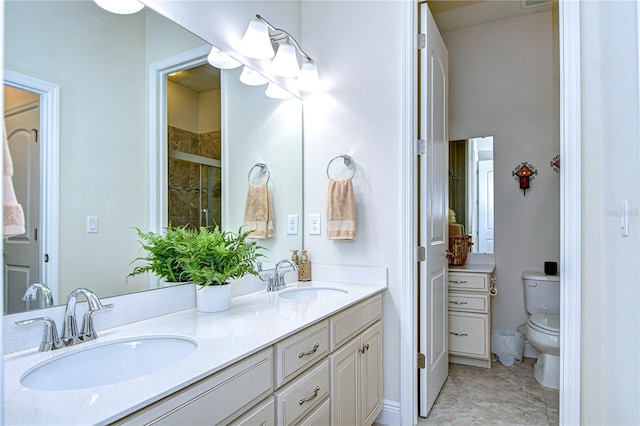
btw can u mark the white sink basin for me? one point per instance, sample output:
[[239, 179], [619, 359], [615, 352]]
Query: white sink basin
[[312, 293], [109, 363]]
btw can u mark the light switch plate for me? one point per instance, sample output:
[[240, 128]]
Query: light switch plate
[[92, 224], [292, 224], [314, 224]]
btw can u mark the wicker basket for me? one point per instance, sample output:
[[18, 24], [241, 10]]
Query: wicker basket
[[459, 246]]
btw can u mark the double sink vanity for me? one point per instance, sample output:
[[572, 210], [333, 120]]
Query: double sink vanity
[[308, 354]]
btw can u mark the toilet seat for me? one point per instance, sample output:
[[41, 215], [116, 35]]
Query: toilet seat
[[545, 323]]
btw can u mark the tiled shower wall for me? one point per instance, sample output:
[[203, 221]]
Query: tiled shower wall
[[186, 193]]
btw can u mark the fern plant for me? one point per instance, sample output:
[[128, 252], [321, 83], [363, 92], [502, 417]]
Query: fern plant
[[213, 256], [164, 252]]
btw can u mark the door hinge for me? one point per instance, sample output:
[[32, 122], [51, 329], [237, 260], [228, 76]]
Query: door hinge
[[422, 41], [421, 146], [421, 361], [422, 254]]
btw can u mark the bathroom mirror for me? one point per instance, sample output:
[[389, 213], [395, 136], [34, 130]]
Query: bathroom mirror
[[100, 62], [471, 190]]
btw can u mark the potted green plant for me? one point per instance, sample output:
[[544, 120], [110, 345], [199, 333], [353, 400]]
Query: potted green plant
[[212, 259], [163, 253]]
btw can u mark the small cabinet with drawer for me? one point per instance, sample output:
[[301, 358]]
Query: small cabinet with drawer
[[470, 318]]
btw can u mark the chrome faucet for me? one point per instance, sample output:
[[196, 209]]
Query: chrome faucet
[[70, 326], [46, 300], [279, 275]]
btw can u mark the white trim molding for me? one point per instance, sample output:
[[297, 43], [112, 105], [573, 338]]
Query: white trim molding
[[408, 410], [49, 171], [570, 211]]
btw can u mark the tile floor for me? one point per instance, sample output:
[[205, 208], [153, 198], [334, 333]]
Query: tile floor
[[494, 396]]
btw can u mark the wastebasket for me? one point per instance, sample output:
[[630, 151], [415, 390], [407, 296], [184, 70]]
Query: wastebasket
[[507, 346]]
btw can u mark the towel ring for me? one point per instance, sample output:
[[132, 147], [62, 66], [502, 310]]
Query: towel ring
[[347, 162], [263, 169]]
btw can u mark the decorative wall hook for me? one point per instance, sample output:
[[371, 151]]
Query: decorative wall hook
[[524, 173], [555, 163]]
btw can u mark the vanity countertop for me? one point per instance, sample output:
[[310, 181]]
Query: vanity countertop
[[255, 321], [483, 268]]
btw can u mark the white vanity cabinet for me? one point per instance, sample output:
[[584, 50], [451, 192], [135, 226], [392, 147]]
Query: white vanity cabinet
[[356, 366], [327, 373], [469, 318]]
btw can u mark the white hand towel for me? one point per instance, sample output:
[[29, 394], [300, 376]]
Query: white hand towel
[[258, 212], [341, 210], [13, 214]]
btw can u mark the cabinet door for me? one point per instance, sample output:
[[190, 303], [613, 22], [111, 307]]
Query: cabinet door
[[371, 373], [345, 392]]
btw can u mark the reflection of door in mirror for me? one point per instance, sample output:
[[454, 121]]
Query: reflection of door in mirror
[[194, 142], [21, 252], [471, 190]]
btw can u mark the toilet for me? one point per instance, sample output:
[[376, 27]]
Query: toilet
[[542, 302]]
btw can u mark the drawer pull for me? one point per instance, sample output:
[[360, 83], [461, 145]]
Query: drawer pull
[[312, 351], [458, 334], [457, 302], [315, 393], [364, 348], [457, 282]]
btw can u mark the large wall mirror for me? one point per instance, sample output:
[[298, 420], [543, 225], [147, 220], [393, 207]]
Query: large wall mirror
[[471, 190], [97, 65]]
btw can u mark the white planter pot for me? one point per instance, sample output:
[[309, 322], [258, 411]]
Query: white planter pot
[[213, 298]]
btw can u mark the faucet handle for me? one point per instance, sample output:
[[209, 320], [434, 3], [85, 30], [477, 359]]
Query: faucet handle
[[50, 339], [269, 279], [88, 331]]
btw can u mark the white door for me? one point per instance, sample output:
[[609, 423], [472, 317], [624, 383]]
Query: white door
[[21, 253], [485, 206], [433, 212]]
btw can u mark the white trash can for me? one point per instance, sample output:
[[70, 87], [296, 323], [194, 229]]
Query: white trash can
[[507, 345]]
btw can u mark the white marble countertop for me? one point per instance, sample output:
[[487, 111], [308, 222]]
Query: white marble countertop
[[255, 321]]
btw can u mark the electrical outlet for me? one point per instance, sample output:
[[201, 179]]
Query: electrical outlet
[[314, 224], [292, 224]]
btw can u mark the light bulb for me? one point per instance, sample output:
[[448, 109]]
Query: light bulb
[[308, 80], [256, 42], [285, 64], [222, 60], [252, 78], [121, 7], [276, 92]]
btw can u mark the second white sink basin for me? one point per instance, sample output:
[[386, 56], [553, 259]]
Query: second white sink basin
[[312, 293], [109, 363]]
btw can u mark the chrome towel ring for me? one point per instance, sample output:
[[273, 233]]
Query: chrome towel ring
[[263, 169], [347, 162]]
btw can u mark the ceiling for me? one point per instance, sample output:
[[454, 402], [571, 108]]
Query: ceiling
[[199, 79], [451, 15]]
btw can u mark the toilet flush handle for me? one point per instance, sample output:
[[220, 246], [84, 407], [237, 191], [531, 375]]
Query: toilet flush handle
[[532, 284]]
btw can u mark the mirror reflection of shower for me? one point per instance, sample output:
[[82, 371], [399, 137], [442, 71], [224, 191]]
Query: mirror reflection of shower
[[471, 194], [194, 138]]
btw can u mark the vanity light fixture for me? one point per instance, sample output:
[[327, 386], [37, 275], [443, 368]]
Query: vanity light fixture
[[276, 92], [252, 78], [258, 42], [221, 59], [121, 7]]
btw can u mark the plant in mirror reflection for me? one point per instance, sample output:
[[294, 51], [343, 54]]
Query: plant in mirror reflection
[[163, 253]]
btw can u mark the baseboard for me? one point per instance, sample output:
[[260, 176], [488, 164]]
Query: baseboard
[[390, 414]]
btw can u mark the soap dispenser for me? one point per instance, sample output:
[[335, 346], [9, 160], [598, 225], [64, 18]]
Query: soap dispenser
[[294, 256], [304, 268]]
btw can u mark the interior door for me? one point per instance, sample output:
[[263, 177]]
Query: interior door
[[21, 253], [485, 207], [433, 338]]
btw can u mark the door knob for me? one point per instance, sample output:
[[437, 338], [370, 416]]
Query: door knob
[[449, 254]]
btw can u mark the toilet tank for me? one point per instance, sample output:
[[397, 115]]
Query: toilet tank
[[541, 292]]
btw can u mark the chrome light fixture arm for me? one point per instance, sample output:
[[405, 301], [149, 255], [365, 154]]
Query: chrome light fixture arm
[[288, 36]]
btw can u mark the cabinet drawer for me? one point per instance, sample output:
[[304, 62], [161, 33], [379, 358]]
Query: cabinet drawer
[[216, 399], [301, 396], [321, 416], [303, 349], [348, 323], [468, 281], [468, 302], [469, 334], [263, 414]]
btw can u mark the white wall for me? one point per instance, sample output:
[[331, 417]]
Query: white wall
[[358, 113], [504, 83], [610, 353]]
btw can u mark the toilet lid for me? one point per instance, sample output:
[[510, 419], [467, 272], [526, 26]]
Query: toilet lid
[[546, 322]]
